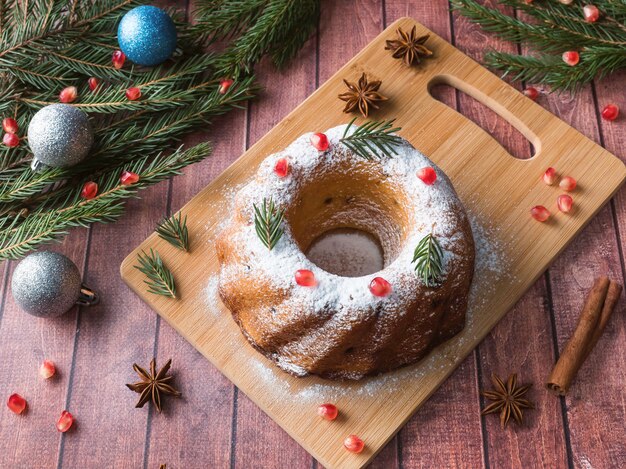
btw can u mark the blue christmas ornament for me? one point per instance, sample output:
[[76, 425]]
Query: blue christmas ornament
[[147, 35]]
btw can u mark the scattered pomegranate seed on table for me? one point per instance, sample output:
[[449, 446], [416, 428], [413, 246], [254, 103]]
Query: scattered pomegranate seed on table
[[9, 125], [47, 369], [354, 444], [118, 59], [564, 202], [380, 287], [281, 168], [571, 57], [568, 184], [531, 92], [320, 141], [328, 411], [427, 175], [225, 85], [540, 213], [16, 403], [133, 94], [305, 278], [609, 113], [591, 13], [68, 94], [128, 177], [549, 177], [93, 83], [65, 421], [90, 190], [11, 140]]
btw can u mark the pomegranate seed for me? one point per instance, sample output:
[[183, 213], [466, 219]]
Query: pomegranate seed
[[354, 444], [305, 278], [320, 141], [65, 421], [540, 213], [11, 140], [549, 177], [225, 85], [327, 411], [9, 125], [281, 168], [427, 175], [93, 83], [380, 287], [591, 13], [133, 94], [531, 92], [118, 59], [568, 184], [90, 190], [571, 57], [564, 203], [128, 177], [47, 369], [16, 403], [609, 113], [68, 95]]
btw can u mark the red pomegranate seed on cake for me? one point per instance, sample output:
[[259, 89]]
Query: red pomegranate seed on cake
[[571, 57], [47, 369], [591, 13], [68, 95], [128, 178], [609, 113], [16, 403], [281, 168], [65, 421], [549, 177], [531, 92], [11, 140], [354, 444], [118, 59], [225, 85], [133, 94], [90, 190], [564, 203], [568, 184], [328, 411], [305, 278], [9, 125], [320, 141], [380, 287], [427, 175], [540, 213]]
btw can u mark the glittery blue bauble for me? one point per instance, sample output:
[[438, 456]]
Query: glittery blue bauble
[[147, 35]]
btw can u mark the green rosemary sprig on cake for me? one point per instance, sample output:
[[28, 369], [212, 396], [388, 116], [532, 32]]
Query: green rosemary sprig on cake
[[174, 231], [428, 259], [372, 139], [160, 279], [268, 223]]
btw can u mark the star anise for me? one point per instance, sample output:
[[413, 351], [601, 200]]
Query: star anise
[[363, 94], [409, 47], [507, 399], [153, 384]]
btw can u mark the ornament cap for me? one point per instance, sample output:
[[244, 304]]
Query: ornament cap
[[38, 166], [87, 296]]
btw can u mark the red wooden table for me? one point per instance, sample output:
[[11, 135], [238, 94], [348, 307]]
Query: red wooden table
[[214, 425]]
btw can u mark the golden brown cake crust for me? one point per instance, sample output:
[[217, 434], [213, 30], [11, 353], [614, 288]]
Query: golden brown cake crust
[[338, 329]]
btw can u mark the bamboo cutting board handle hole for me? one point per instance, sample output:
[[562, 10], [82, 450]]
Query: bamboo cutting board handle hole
[[444, 87]]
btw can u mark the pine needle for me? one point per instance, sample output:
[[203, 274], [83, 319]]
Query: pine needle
[[428, 259], [160, 278], [373, 139], [174, 231], [268, 223]]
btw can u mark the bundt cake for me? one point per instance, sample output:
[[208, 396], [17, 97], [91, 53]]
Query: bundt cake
[[310, 321]]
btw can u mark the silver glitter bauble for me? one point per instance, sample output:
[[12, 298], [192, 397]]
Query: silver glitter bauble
[[59, 135], [47, 284]]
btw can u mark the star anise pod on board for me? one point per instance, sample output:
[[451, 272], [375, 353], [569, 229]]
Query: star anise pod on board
[[362, 95], [153, 384], [409, 47], [507, 399]]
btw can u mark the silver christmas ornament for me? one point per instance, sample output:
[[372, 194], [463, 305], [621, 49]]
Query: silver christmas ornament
[[47, 284], [59, 135]]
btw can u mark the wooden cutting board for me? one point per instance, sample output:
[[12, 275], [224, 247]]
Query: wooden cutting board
[[497, 189]]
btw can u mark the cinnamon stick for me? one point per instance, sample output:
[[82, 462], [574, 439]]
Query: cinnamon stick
[[593, 318]]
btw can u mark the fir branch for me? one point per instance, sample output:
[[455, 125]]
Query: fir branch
[[268, 223], [174, 231], [428, 259], [373, 139], [160, 278]]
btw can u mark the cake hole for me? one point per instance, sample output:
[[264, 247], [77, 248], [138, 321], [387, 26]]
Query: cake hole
[[328, 200], [349, 351], [347, 252]]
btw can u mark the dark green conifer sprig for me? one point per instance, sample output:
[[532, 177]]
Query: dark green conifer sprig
[[160, 279], [268, 222], [174, 231], [372, 139], [428, 259]]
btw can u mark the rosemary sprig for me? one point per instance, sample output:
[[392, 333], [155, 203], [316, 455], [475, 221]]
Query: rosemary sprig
[[428, 258], [160, 279], [268, 223], [174, 231], [372, 139]]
